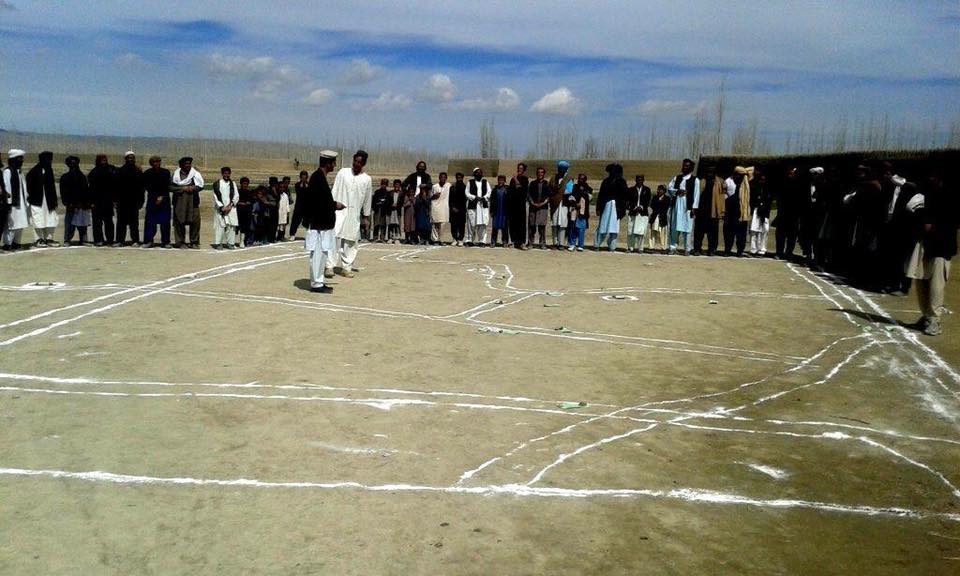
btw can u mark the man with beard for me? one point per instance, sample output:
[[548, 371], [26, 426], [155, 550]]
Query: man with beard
[[709, 213], [684, 191], [478, 208], [517, 206], [611, 207], [354, 190], [75, 195], [103, 183], [186, 202], [562, 186], [320, 216], [130, 191], [458, 209], [156, 180], [415, 179], [42, 196], [18, 213], [538, 196], [791, 200]]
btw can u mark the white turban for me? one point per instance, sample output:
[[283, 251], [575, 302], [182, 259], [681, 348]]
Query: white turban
[[15, 153], [817, 171], [128, 153]]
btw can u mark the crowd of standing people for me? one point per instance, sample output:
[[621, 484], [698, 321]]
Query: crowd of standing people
[[870, 224]]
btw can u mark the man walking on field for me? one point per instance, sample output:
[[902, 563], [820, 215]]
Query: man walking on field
[[319, 213], [354, 189]]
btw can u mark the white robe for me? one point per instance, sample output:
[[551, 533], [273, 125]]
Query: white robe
[[479, 216], [229, 219], [440, 208], [283, 208], [355, 192], [18, 218], [42, 216]]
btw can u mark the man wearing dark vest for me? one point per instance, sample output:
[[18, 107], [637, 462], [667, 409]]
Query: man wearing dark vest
[[538, 196], [319, 217], [478, 208]]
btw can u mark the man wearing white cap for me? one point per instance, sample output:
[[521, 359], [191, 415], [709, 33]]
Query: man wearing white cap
[[319, 215], [354, 190], [478, 208], [15, 186], [42, 196]]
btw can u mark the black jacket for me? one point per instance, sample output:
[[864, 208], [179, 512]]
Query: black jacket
[[130, 187], [941, 211], [410, 182], [759, 200], [40, 185], [613, 189], [103, 183], [382, 202], [157, 183], [74, 190], [638, 201], [320, 211]]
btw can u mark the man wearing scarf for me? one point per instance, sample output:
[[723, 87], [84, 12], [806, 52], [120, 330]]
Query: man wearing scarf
[[103, 182], [562, 186], [611, 207], [186, 202], [478, 208], [517, 205], [225, 200], [75, 194], [42, 196], [130, 192], [354, 189], [684, 191], [18, 216], [709, 213], [156, 180], [736, 216]]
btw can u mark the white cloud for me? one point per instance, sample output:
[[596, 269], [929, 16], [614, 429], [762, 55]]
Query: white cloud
[[439, 88], [360, 71], [560, 102], [386, 102], [266, 77], [318, 97], [505, 99], [131, 60], [653, 107]]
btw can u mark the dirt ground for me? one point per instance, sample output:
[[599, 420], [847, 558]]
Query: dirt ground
[[200, 412]]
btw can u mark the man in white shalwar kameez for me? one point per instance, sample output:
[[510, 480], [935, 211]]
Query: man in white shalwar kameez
[[439, 207], [15, 184], [478, 208], [684, 190], [354, 190], [42, 195], [225, 221]]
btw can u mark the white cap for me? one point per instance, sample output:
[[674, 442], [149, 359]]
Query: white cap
[[15, 153], [816, 170], [328, 155], [128, 153]]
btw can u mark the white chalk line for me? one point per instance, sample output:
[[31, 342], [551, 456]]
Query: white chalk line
[[126, 291], [683, 494], [232, 268]]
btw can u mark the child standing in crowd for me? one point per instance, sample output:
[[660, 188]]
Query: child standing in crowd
[[409, 218], [395, 224], [659, 219], [283, 208], [244, 211], [422, 213], [638, 214], [577, 204], [381, 207]]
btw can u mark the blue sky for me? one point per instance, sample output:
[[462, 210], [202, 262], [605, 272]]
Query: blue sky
[[428, 73]]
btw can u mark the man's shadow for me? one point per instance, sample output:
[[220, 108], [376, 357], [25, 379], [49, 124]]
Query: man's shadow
[[304, 284], [875, 318]]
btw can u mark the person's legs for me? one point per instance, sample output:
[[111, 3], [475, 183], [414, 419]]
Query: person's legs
[[741, 237], [762, 238], [318, 260], [612, 241], [68, 226], [631, 241], [82, 230], [231, 236], [164, 216], [571, 234], [218, 230], [195, 227], [347, 254]]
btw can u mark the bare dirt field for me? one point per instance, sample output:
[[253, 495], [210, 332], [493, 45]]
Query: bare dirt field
[[200, 411]]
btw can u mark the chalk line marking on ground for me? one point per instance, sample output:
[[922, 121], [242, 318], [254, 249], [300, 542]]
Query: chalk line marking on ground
[[683, 494], [775, 473], [254, 385], [127, 291], [231, 269]]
